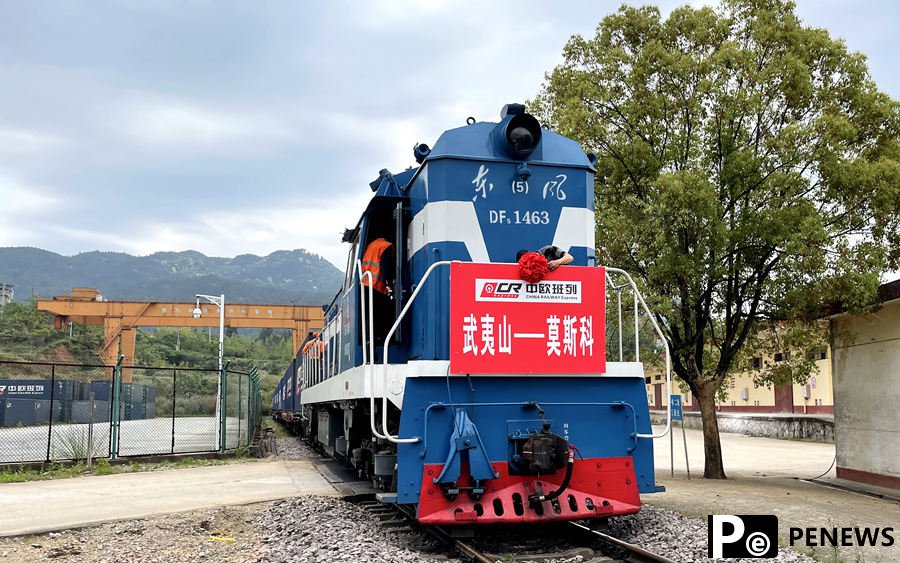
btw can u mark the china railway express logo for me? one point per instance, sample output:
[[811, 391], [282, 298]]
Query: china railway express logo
[[8, 390], [510, 290]]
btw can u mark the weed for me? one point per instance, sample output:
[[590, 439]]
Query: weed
[[71, 445], [103, 467]]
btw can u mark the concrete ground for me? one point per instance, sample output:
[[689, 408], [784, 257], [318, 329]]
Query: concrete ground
[[765, 478], [42, 506], [745, 456]]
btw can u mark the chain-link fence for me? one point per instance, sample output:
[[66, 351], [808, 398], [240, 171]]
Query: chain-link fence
[[54, 412]]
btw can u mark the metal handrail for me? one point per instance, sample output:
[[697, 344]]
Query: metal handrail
[[369, 359], [370, 342], [639, 297], [387, 343]]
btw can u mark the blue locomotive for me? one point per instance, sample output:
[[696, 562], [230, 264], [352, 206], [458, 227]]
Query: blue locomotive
[[452, 383]]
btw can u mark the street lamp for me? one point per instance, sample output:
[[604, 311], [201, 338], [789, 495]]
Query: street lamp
[[220, 302]]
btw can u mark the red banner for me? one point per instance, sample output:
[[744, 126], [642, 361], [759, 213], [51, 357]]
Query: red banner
[[502, 324]]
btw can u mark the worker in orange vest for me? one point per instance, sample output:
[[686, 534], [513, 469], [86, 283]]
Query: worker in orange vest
[[313, 347], [378, 260]]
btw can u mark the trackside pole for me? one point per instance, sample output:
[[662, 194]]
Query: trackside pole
[[671, 456], [115, 414], [90, 439], [675, 407]]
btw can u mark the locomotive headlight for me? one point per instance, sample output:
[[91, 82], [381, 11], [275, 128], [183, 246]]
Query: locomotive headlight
[[523, 133], [518, 134], [521, 138]]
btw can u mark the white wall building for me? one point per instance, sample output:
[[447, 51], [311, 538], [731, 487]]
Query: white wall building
[[866, 372]]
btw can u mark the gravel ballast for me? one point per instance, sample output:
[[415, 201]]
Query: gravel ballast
[[174, 538], [678, 537], [321, 529]]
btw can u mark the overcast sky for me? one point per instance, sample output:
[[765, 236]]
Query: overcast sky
[[248, 127]]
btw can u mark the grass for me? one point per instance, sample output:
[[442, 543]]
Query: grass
[[72, 445], [280, 431], [104, 467]]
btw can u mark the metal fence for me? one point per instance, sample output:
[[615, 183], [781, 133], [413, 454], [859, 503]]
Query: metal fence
[[55, 412]]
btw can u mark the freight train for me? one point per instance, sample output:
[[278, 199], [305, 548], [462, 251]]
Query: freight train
[[450, 381]]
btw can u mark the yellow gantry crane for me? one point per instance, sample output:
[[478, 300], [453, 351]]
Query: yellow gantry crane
[[121, 318]]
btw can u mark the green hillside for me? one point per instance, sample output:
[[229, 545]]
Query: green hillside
[[282, 277]]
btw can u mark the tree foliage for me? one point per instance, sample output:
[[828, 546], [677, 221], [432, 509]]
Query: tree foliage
[[29, 335], [748, 173]]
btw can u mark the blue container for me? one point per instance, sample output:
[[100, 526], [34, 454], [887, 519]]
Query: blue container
[[150, 404], [134, 411], [20, 412], [42, 411], [81, 411], [83, 390], [100, 389]]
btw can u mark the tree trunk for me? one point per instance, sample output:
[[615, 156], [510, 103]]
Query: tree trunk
[[712, 447]]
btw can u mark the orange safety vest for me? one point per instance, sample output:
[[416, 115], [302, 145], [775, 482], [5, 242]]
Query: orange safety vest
[[319, 345], [371, 262], [314, 349]]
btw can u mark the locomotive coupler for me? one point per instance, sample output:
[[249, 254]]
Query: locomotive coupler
[[452, 490], [465, 447], [538, 453]]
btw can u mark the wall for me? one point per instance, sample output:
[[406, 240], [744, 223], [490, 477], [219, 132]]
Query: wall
[[867, 395], [759, 399], [819, 429], [821, 390], [658, 381]]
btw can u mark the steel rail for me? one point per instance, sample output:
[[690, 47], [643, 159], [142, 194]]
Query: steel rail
[[629, 552], [636, 554], [445, 538]]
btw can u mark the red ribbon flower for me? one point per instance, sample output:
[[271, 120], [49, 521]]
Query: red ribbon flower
[[533, 267]]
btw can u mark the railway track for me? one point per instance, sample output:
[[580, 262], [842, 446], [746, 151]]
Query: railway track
[[605, 547], [634, 553], [402, 519]]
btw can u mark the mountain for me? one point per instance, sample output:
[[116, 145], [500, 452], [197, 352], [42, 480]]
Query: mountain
[[285, 276]]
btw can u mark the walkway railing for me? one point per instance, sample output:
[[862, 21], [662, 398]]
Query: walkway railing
[[638, 299], [320, 363]]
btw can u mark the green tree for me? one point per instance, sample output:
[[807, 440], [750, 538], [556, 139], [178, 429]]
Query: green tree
[[747, 173], [29, 334]]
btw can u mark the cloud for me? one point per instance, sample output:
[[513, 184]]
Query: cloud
[[253, 127], [20, 199], [259, 230], [180, 125], [20, 207], [19, 141]]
